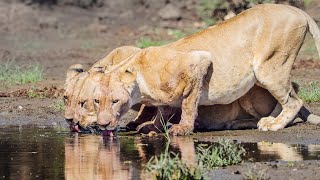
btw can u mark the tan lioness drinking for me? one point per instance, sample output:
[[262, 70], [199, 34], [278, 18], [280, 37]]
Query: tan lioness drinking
[[215, 66], [76, 77]]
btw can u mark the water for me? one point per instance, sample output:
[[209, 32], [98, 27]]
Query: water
[[35, 153]]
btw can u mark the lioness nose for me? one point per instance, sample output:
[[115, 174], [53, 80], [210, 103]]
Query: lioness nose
[[91, 114]]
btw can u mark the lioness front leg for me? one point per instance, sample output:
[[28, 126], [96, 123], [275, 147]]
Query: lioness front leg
[[189, 106]]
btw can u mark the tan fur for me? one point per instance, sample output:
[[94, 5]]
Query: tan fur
[[258, 46], [76, 78]]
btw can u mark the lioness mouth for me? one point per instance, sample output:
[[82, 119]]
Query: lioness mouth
[[74, 127], [106, 131]]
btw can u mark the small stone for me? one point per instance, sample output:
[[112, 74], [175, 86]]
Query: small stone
[[152, 134], [170, 12], [20, 107]]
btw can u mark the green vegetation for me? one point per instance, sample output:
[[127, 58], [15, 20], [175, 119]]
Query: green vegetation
[[32, 93], [256, 173], [306, 3], [14, 74], [208, 9], [87, 45], [223, 154], [144, 42], [308, 49], [170, 166], [177, 34], [59, 105], [310, 92]]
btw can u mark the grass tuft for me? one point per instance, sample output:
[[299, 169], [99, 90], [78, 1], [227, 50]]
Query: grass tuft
[[176, 33], [255, 172], [144, 42], [206, 8], [170, 166], [14, 74], [59, 105], [32, 93], [225, 153], [310, 92]]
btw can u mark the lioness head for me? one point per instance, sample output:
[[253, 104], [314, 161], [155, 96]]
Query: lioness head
[[86, 109], [87, 105], [74, 78], [113, 97]]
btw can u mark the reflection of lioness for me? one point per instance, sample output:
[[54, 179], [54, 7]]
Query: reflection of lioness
[[76, 78], [259, 46]]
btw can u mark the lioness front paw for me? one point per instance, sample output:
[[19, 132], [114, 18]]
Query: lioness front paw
[[180, 130], [270, 124]]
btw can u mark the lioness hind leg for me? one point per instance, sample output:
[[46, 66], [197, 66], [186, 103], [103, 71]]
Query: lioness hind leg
[[242, 124], [274, 75], [146, 113], [164, 115]]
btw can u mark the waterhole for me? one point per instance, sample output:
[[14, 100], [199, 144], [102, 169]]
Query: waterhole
[[46, 153]]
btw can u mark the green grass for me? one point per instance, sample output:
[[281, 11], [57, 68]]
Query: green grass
[[32, 93], [306, 3], [144, 42], [256, 173], [11, 73], [310, 92], [170, 166], [205, 10], [87, 45], [308, 49], [177, 34], [225, 153], [59, 105]]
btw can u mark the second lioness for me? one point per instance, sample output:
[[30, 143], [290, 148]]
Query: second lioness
[[76, 77], [262, 52]]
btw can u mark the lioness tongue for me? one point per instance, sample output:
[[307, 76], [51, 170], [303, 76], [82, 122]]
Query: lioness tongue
[[107, 133], [74, 128]]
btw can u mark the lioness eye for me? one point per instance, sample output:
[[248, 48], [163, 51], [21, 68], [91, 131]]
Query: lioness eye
[[81, 104], [96, 101], [115, 101]]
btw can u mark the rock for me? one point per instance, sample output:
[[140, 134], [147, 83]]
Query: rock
[[230, 15], [170, 12], [48, 22], [153, 4], [96, 27]]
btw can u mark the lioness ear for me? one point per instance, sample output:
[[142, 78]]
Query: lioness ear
[[73, 71], [128, 75]]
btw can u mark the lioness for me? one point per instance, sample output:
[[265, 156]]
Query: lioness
[[76, 76], [258, 46]]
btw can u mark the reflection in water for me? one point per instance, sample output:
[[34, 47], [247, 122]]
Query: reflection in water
[[33, 153], [86, 157]]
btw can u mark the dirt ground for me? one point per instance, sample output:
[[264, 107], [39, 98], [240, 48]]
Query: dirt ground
[[57, 36]]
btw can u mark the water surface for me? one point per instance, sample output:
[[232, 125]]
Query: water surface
[[45, 153]]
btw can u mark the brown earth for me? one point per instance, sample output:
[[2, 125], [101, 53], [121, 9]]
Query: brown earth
[[59, 35]]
